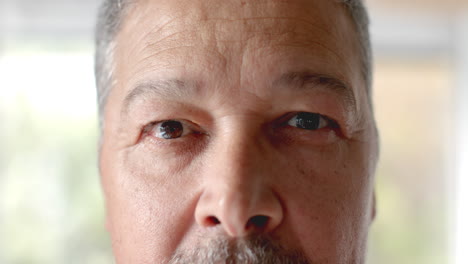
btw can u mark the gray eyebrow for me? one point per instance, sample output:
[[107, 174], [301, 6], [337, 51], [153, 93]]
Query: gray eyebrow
[[172, 88], [176, 88], [307, 80]]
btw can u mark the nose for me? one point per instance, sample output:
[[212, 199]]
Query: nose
[[237, 195]]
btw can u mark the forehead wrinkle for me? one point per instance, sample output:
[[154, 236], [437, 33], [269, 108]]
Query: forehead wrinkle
[[186, 18], [272, 28], [173, 37], [291, 33], [287, 19], [156, 54], [132, 24], [297, 36], [205, 36], [197, 34], [160, 28]]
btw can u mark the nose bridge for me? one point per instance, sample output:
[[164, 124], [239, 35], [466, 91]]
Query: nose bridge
[[240, 153], [237, 195], [243, 154]]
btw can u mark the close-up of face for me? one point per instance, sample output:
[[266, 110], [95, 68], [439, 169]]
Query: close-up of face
[[238, 132]]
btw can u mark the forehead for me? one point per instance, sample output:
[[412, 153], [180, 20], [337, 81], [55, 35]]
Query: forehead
[[245, 40], [234, 20]]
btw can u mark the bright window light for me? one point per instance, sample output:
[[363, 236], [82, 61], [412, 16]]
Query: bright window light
[[461, 230]]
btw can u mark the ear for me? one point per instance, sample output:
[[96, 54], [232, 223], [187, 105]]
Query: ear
[[373, 207]]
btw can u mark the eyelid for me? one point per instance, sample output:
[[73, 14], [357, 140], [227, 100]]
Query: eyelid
[[189, 127], [323, 121], [185, 128], [287, 117]]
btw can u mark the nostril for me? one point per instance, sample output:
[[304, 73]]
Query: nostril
[[258, 222], [212, 221]]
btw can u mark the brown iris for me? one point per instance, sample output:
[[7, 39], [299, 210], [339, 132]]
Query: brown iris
[[309, 121], [171, 129]]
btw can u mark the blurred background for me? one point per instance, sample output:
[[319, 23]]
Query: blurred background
[[51, 207]]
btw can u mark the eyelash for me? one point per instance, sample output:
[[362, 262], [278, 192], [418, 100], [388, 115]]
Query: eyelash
[[285, 121], [149, 129], [322, 120]]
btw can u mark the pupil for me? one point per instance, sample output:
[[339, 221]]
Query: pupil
[[309, 121], [171, 129]]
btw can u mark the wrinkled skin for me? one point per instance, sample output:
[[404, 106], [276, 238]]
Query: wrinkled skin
[[234, 74]]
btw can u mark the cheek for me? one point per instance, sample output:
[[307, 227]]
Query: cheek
[[138, 193], [330, 195]]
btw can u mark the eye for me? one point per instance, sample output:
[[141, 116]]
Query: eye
[[310, 121], [170, 129]]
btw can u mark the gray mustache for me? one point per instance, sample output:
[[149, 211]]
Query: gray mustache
[[250, 250]]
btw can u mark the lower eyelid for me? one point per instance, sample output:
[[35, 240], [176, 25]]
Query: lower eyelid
[[323, 136]]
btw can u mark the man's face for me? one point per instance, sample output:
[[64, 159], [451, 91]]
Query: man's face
[[236, 126]]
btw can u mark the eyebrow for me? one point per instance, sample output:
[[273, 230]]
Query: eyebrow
[[162, 88], [309, 80], [177, 88]]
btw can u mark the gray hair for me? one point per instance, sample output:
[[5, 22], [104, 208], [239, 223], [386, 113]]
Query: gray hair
[[111, 15]]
